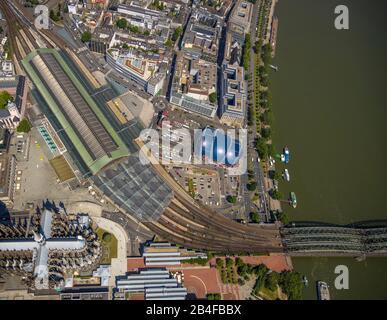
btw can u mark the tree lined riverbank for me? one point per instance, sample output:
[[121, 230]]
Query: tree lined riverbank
[[329, 108]]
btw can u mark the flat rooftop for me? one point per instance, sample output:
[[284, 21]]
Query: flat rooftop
[[62, 168], [88, 129]]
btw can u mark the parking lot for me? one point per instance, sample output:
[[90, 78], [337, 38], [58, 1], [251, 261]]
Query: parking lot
[[206, 184]]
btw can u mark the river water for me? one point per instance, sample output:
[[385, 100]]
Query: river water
[[330, 109]]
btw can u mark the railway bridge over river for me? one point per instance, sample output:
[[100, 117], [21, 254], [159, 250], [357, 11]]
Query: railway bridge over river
[[361, 239]]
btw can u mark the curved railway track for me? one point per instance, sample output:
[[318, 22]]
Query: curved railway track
[[19, 31], [201, 228], [12, 30], [186, 222]]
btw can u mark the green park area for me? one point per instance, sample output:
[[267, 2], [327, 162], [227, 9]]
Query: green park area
[[109, 245], [267, 284]]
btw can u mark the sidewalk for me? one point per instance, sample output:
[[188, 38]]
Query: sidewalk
[[119, 265]]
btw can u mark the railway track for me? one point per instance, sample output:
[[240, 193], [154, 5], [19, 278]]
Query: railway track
[[186, 222], [12, 30], [212, 230], [23, 36], [203, 229]]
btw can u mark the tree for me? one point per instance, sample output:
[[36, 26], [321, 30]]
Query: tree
[[1, 29], [271, 150], [169, 43], [133, 28], [266, 54], [276, 195], [86, 36], [229, 262], [156, 4], [212, 97], [214, 296], [55, 16], [219, 263], [231, 199], [277, 175], [291, 284], [178, 31], [261, 272], [4, 98], [283, 217], [106, 237], [24, 126], [251, 186], [246, 52], [199, 261], [271, 281], [254, 217], [266, 133], [261, 147], [122, 23]]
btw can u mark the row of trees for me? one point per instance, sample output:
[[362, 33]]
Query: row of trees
[[246, 54], [175, 36], [214, 296], [264, 145], [56, 16], [122, 23], [86, 36], [227, 271], [254, 216], [157, 5]]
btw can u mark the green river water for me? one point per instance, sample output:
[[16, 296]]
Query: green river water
[[330, 109]]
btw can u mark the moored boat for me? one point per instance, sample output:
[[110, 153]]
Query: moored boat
[[305, 281], [293, 200], [286, 155], [286, 175], [323, 291]]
